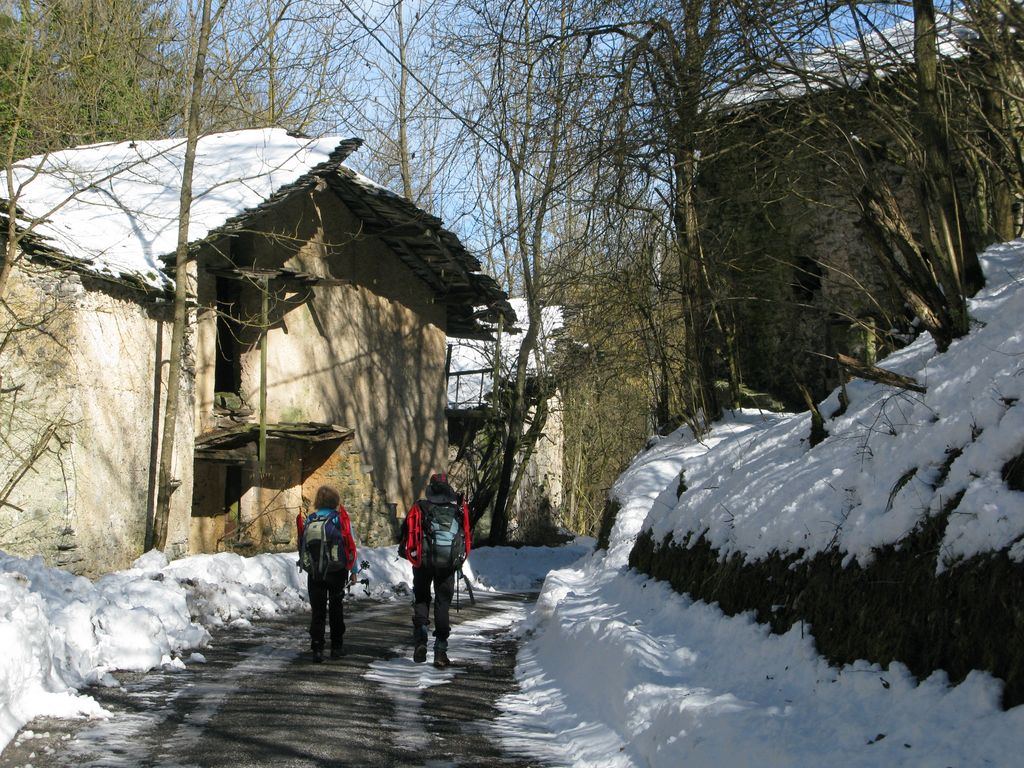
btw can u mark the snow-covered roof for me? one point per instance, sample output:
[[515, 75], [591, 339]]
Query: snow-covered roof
[[848, 63], [112, 209], [467, 355]]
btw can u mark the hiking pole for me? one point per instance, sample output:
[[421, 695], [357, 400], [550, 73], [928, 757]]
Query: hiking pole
[[469, 587]]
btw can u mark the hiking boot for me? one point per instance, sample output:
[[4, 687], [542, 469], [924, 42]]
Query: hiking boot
[[441, 654], [419, 641], [337, 653], [318, 655]]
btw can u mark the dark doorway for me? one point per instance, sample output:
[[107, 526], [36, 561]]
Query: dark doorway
[[228, 371]]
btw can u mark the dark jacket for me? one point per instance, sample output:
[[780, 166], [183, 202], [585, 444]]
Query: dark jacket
[[410, 537]]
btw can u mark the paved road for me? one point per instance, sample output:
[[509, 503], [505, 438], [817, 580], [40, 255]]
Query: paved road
[[261, 701]]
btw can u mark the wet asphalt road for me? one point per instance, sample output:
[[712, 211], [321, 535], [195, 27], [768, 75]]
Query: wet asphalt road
[[260, 700]]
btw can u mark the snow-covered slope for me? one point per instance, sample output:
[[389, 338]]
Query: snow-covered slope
[[755, 486], [619, 671]]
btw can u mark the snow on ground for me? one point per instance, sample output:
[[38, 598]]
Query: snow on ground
[[617, 670], [891, 459], [621, 671], [62, 632]]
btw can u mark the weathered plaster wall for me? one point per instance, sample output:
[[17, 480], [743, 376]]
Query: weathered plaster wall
[[368, 354], [534, 512], [92, 369], [37, 418], [209, 527]]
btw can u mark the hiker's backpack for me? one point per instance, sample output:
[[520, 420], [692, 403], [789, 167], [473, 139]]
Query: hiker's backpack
[[322, 549], [443, 540]]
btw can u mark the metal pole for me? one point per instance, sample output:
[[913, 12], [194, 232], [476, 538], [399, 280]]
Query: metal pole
[[497, 361]]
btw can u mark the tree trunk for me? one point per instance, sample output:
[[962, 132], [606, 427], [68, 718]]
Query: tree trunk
[[994, 47], [404, 154], [514, 436], [947, 232], [11, 255], [885, 229], [167, 483]]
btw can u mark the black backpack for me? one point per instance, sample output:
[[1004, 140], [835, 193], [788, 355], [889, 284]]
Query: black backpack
[[444, 541]]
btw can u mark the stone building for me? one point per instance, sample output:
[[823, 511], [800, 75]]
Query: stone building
[[779, 195], [321, 303], [535, 509]]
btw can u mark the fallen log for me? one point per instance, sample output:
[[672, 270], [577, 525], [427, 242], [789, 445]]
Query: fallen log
[[881, 375]]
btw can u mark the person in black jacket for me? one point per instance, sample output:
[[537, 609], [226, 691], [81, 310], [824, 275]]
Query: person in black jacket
[[435, 539], [329, 565]]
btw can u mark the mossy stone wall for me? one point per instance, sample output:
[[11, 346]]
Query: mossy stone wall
[[896, 609]]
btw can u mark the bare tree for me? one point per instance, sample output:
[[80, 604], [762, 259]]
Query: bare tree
[[166, 483], [71, 71], [993, 148], [409, 103], [284, 63], [671, 68], [931, 257], [527, 126]]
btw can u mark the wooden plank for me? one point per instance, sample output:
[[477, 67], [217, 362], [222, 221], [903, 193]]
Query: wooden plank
[[240, 456]]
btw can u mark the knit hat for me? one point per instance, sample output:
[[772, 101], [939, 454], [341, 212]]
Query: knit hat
[[438, 489]]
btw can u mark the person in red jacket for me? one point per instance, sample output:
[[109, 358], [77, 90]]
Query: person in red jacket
[[435, 539], [328, 555]]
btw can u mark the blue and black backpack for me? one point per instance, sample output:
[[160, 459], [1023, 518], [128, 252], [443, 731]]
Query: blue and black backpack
[[444, 541], [322, 549]]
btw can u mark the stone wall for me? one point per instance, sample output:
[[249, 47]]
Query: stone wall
[[896, 609], [84, 384], [263, 520], [783, 233], [534, 512]]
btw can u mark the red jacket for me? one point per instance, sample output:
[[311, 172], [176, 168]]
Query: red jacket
[[412, 532], [348, 543]]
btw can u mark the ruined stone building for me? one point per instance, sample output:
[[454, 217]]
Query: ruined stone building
[[320, 307], [780, 194]]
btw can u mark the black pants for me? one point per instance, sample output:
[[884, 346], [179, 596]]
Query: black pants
[[444, 589], [329, 592]]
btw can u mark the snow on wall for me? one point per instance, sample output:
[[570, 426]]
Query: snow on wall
[[754, 486]]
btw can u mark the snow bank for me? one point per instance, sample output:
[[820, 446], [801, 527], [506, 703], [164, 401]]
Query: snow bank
[[62, 632], [623, 672], [618, 671], [893, 458], [521, 569]]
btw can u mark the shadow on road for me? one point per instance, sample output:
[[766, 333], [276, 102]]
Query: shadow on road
[[260, 700]]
